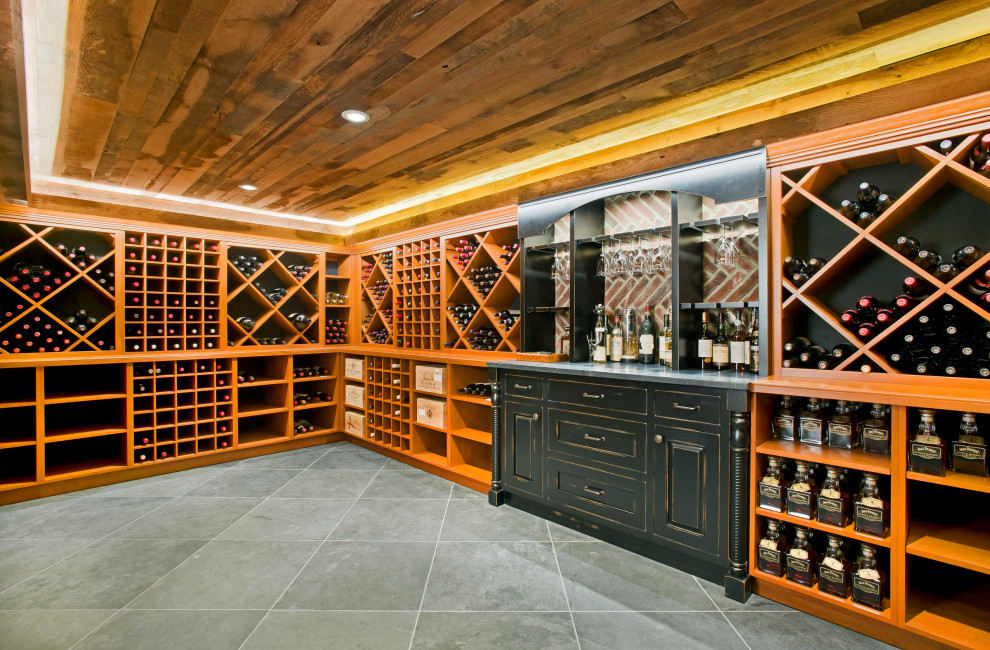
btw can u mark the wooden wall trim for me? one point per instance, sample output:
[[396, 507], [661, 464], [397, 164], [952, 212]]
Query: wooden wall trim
[[486, 220], [906, 128]]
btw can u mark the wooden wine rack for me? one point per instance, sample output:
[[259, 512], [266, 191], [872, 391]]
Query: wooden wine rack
[[77, 288], [172, 293], [375, 310], [417, 294], [936, 193], [337, 279], [246, 298], [504, 295]]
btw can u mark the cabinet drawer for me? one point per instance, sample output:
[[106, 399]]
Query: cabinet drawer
[[602, 439], [523, 386], [614, 398], [689, 407], [602, 495]]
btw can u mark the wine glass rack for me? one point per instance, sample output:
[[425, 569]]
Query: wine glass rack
[[42, 290], [273, 298], [935, 190]]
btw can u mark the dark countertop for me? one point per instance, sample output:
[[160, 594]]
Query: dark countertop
[[633, 371]]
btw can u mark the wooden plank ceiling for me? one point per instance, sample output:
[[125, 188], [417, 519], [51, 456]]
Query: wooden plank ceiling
[[195, 97]]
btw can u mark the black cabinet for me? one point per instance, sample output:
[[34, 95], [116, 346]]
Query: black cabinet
[[523, 448], [687, 488]]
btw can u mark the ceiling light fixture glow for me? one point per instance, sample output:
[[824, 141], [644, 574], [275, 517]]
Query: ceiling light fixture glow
[[247, 187], [352, 115]]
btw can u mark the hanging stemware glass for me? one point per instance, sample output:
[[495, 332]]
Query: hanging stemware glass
[[725, 248], [660, 261], [640, 264], [601, 269]]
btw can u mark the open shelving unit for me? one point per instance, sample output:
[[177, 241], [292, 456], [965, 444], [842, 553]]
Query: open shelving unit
[[417, 294], [337, 298]]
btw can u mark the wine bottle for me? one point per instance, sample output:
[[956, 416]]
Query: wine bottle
[[720, 345], [966, 256], [705, 343], [647, 339], [927, 260], [615, 351], [738, 346], [916, 288]]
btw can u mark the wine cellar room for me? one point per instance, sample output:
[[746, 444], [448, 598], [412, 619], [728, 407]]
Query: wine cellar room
[[395, 324]]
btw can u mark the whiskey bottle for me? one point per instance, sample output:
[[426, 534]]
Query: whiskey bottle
[[969, 451], [871, 514], [835, 571], [812, 419], [876, 430], [738, 345], [802, 560], [782, 426], [833, 500], [844, 426], [771, 493], [720, 346], [773, 549], [869, 583], [801, 493], [754, 343], [926, 451], [705, 342], [668, 342]]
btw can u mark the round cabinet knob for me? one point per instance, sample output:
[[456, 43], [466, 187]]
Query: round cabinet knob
[[658, 439]]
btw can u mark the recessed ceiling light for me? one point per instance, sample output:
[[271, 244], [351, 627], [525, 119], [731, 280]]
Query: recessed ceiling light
[[352, 115], [248, 187]]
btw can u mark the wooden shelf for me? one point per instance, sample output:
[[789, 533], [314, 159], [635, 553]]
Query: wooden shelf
[[961, 621], [13, 444], [847, 531], [68, 399], [14, 405], [484, 437], [431, 458], [260, 409], [851, 458], [845, 603], [313, 405], [84, 433], [483, 475], [966, 545], [954, 479], [471, 399]]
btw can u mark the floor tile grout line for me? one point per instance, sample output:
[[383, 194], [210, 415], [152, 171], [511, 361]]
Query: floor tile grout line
[[429, 573], [563, 587], [310, 559], [705, 591]]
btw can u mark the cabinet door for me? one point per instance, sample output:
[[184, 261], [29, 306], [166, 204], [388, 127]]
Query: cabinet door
[[523, 448], [686, 488]]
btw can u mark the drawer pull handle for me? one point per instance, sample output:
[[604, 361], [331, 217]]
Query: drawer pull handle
[[686, 408], [595, 491], [658, 439], [592, 396], [521, 387], [592, 438]]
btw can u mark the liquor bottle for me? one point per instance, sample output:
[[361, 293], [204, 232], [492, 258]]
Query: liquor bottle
[[771, 493], [600, 336], [630, 340], [869, 583], [833, 500], [662, 341], [926, 449], [801, 494], [876, 430], [705, 342], [738, 345], [647, 339], [812, 419], [844, 426], [668, 343], [802, 561], [615, 352], [720, 345], [773, 549], [969, 451], [871, 514], [835, 571], [784, 417], [753, 363]]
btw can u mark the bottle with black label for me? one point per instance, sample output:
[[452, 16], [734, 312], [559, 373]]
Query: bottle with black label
[[969, 451], [876, 430], [784, 417], [812, 422], [802, 561], [771, 486], [926, 450], [773, 549], [835, 570], [844, 426], [802, 492], [833, 500], [869, 583], [871, 513]]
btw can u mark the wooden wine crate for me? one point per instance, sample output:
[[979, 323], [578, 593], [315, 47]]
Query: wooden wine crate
[[431, 379], [432, 412], [354, 424], [354, 396], [353, 368]]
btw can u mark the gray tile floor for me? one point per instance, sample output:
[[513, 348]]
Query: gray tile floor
[[338, 547]]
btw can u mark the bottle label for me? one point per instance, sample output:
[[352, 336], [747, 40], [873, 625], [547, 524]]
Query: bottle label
[[799, 503], [830, 493], [600, 355], [870, 574], [801, 487], [771, 498], [661, 342], [616, 348], [799, 554], [834, 563], [811, 431], [879, 435], [967, 452], [926, 452], [831, 511], [769, 561], [769, 480], [868, 520], [871, 502], [925, 439], [720, 354], [646, 344], [737, 351], [784, 427], [705, 348], [766, 543]]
